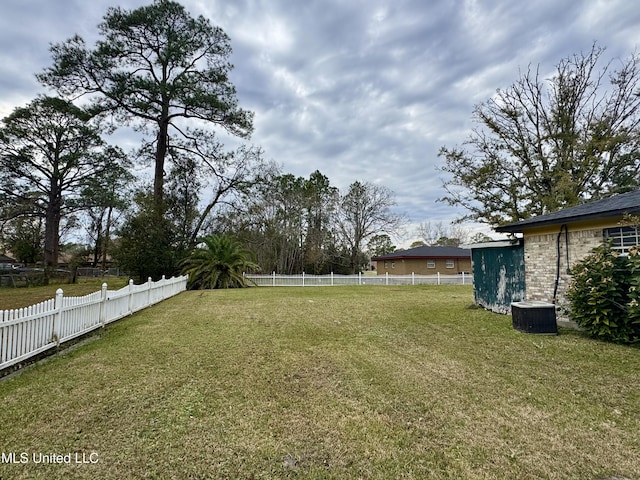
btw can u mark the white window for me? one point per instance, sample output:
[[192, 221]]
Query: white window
[[431, 264], [451, 263], [393, 264], [622, 238]]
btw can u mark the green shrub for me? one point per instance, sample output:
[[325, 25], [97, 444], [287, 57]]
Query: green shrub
[[633, 305], [604, 295]]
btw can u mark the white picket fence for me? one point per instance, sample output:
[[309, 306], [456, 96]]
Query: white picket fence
[[29, 331], [306, 280]]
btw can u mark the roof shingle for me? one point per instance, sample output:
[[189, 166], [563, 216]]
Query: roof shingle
[[608, 207]]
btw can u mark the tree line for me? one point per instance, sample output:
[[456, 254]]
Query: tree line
[[296, 224]]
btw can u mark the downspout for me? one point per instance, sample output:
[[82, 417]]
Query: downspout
[[564, 228]]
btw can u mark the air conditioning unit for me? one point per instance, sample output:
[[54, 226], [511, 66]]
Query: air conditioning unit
[[534, 317]]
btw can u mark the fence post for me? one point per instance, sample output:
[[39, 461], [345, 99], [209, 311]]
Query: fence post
[[463, 278], [57, 318], [103, 304], [149, 281], [130, 308], [413, 278], [386, 278], [332, 279], [273, 283], [359, 278], [438, 278], [303, 279]]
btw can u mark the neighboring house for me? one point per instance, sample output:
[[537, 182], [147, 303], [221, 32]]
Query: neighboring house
[[425, 260], [553, 243], [7, 263]]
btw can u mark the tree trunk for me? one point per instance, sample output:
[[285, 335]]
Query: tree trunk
[[52, 229], [161, 153], [96, 250], [97, 247], [106, 238], [352, 260]]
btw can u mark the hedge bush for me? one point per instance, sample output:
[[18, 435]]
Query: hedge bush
[[604, 295]]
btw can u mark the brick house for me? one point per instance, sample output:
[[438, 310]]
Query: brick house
[[555, 242], [425, 260]]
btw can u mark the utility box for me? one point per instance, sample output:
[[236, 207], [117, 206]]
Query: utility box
[[534, 317]]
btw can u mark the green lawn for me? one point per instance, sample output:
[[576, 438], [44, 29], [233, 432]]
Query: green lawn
[[343, 382]]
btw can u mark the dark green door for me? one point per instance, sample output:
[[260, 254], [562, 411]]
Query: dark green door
[[498, 275]]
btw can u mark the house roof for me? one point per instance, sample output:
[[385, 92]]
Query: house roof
[[614, 206], [5, 259], [426, 252]]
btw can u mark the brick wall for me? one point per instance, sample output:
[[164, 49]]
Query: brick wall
[[541, 257], [419, 266]]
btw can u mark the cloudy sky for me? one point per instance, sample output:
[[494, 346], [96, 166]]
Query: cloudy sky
[[360, 90]]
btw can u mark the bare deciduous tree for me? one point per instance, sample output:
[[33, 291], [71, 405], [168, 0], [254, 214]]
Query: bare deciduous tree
[[438, 233], [365, 210], [542, 145]]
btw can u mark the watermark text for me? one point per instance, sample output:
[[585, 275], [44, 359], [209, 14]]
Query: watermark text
[[49, 458]]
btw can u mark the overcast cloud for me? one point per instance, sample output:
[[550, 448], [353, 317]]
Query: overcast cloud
[[360, 90]]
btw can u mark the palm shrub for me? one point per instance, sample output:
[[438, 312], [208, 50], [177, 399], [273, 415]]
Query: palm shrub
[[219, 263], [604, 295]]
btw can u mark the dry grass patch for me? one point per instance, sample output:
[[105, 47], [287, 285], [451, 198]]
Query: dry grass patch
[[343, 382]]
